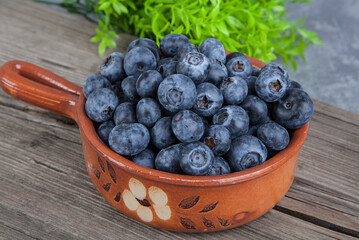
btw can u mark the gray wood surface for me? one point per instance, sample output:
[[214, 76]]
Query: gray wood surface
[[45, 192]]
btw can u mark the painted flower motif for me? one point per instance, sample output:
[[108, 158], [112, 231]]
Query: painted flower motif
[[135, 200]]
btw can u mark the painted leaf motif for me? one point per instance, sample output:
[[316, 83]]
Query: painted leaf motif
[[112, 172], [187, 223], [144, 202], [209, 207], [97, 173], [106, 186], [208, 223], [117, 197], [223, 222], [101, 164], [188, 202]]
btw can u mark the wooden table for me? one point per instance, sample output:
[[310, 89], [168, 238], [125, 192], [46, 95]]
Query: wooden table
[[45, 192]]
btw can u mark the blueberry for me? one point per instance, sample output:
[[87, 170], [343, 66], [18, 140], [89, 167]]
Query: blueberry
[[267, 118], [294, 84], [276, 67], [196, 159], [147, 83], [101, 104], [116, 88], [238, 65], [251, 82], [206, 126], [142, 42], [162, 64], [148, 111], [233, 55], [167, 68], [294, 110], [218, 139], [253, 130], [217, 72], [234, 118], [273, 135], [145, 158], [208, 101], [161, 134], [95, 81], [168, 159], [187, 126], [177, 92], [194, 65], [104, 130], [256, 108], [139, 60], [147, 43], [165, 61], [129, 138], [112, 67], [128, 86], [219, 167], [234, 90], [214, 49], [271, 86], [170, 44], [125, 113], [184, 49], [256, 72], [246, 152]]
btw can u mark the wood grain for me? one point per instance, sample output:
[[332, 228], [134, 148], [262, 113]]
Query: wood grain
[[46, 192], [325, 189]]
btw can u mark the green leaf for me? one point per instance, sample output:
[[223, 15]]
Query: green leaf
[[186, 23], [99, 33], [105, 5], [251, 20], [303, 32], [316, 40], [96, 38], [279, 8], [179, 30], [110, 43], [165, 27], [214, 13], [155, 24], [223, 28], [293, 63], [198, 31], [113, 34], [263, 37], [102, 48], [235, 22], [119, 7], [101, 24], [131, 5]]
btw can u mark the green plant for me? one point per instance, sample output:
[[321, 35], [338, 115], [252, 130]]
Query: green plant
[[258, 28]]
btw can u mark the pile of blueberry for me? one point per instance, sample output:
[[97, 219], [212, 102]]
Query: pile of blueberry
[[193, 110]]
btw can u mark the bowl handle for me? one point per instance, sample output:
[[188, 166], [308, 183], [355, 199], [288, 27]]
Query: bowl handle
[[42, 88]]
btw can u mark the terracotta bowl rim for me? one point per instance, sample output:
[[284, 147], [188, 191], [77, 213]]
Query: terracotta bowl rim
[[89, 133]]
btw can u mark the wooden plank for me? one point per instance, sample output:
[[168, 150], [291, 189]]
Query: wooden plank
[[45, 183], [325, 189]]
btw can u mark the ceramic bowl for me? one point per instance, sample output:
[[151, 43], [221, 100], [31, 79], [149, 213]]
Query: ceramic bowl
[[163, 200]]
